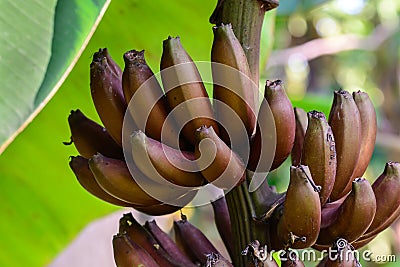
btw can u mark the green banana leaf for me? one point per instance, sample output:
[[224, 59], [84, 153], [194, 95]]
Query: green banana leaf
[[41, 43], [42, 205]]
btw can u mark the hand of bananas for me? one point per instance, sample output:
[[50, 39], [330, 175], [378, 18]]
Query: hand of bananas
[[189, 142]]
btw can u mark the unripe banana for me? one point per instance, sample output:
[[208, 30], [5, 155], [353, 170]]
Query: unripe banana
[[150, 107], [154, 160], [300, 223], [301, 128], [285, 123], [113, 65], [368, 131], [114, 177], [194, 240], [138, 234], [223, 222], [107, 95], [359, 208], [344, 119], [239, 93], [80, 166], [319, 153], [127, 253], [167, 243], [90, 138], [387, 193], [217, 162], [185, 89]]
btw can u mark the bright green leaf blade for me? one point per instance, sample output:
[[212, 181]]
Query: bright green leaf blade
[[26, 31], [55, 39], [73, 26], [44, 206]]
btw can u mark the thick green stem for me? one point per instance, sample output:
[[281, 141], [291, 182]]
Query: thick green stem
[[240, 221], [246, 17]]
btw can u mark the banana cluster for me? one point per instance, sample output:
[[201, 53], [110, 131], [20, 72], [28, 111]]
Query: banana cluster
[[148, 245], [327, 199], [180, 141], [171, 126]]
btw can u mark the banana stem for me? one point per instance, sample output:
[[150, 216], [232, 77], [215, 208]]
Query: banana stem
[[240, 216], [245, 228], [246, 17]]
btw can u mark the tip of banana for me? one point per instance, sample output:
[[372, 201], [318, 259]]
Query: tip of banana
[[72, 112], [171, 38], [359, 180], [204, 132], [75, 162], [103, 52], [392, 168], [75, 115], [274, 85], [134, 57], [138, 137], [96, 158], [223, 26], [342, 92], [316, 114]]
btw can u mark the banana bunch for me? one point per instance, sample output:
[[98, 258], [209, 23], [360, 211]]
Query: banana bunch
[[148, 245], [162, 143], [327, 199]]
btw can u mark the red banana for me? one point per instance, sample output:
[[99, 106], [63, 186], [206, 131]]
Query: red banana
[[319, 153], [90, 138], [285, 122], [344, 119], [107, 95], [127, 253], [301, 128]]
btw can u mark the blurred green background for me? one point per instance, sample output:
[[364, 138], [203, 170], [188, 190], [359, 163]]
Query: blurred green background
[[318, 47]]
